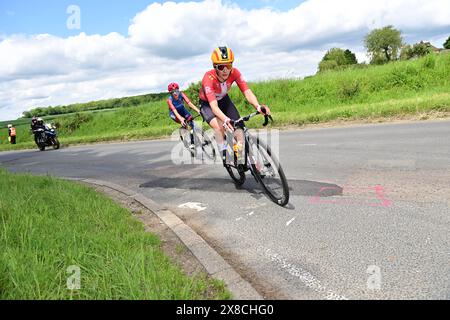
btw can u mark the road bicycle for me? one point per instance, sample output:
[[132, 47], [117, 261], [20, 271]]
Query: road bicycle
[[193, 138], [256, 157]]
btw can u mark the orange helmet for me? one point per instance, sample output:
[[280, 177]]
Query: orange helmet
[[222, 55]]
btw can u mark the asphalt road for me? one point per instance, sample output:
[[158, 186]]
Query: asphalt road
[[368, 218]]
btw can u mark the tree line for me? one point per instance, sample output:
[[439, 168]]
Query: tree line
[[94, 105], [383, 45]]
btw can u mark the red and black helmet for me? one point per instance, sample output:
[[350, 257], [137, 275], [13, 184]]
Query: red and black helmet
[[173, 86]]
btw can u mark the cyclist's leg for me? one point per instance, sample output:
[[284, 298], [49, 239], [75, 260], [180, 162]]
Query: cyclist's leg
[[181, 129], [184, 113], [215, 123], [173, 117], [188, 119], [190, 122], [229, 109]]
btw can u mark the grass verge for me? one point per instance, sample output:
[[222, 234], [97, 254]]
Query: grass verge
[[48, 225]]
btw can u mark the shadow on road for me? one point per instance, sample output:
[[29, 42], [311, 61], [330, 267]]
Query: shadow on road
[[297, 187]]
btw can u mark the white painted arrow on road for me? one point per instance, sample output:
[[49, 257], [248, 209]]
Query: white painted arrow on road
[[193, 205]]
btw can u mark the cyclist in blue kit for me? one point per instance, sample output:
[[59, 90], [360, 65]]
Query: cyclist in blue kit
[[177, 110]]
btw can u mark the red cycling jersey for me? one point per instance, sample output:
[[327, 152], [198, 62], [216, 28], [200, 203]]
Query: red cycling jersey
[[212, 89]]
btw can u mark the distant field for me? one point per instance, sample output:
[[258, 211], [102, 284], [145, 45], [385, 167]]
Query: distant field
[[415, 87], [27, 121], [114, 103]]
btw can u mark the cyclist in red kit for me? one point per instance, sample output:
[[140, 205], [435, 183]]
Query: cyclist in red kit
[[216, 107]]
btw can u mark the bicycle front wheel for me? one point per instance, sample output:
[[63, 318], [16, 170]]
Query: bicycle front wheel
[[185, 137], [202, 139], [267, 171]]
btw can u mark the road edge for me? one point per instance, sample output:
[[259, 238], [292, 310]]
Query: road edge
[[210, 259]]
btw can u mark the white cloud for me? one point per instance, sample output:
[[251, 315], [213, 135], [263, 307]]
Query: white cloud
[[172, 42], [189, 28], [47, 55]]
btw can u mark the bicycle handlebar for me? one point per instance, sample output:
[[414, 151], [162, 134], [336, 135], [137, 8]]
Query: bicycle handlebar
[[254, 114]]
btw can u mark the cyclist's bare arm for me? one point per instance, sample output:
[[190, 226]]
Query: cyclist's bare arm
[[251, 98], [190, 104], [174, 110], [178, 116], [193, 107]]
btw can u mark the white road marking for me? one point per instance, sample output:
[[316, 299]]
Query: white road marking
[[32, 163], [304, 276], [289, 222], [255, 206], [247, 215], [193, 205]]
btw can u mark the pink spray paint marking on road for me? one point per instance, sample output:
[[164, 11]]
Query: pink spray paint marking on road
[[374, 193]]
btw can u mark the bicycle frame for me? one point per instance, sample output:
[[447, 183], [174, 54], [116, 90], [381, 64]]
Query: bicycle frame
[[246, 137], [263, 165]]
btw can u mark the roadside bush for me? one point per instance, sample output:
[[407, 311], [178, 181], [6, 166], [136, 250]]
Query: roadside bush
[[349, 90], [70, 124], [192, 92], [429, 61]]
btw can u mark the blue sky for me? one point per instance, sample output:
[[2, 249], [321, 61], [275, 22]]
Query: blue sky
[[98, 16]]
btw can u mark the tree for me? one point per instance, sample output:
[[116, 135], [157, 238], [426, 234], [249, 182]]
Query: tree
[[335, 58], [421, 49], [447, 43], [418, 50], [350, 57], [406, 52], [383, 45], [325, 65], [27, 114]]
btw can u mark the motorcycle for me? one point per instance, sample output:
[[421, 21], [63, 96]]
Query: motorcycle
[[46, 137]]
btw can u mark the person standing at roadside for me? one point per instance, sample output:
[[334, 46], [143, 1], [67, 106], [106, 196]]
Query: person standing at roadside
[[11, 134]]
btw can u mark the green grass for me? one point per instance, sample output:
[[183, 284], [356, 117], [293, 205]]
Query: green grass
[[47, 225], [359, 85], [396, 89]]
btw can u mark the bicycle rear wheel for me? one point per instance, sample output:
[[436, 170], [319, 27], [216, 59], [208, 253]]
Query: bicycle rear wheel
[[237, 176], [267, 171]]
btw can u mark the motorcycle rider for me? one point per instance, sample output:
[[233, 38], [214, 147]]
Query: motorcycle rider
[[33, 123], [37, 124]]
